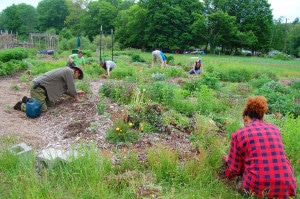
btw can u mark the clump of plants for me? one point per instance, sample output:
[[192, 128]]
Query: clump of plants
[[280, 98], [147, 117], [158, 76], [121, 92], [122, 132], [100, 108]]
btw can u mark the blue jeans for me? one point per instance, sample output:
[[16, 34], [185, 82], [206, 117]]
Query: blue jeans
[[191, 72]]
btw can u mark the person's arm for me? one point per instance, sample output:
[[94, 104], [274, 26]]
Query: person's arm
[[234, 160], [71, 58], [195, 68]]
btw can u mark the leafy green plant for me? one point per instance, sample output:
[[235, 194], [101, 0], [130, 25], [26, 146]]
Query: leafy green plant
[[121, 133], [173, 120], [158, 76], [100, 108], [291, 138], [121, 92], [137, 58], [148, 116]]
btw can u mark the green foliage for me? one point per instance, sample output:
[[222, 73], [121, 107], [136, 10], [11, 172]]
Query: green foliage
[[295, 84], [282, 56], [172, 119], [137, 58], [100, 108], [148, 117], [174, 72], [121, 133], [81, 85], [291, 138], [14, 53], [280, 98], [236, 75], [11, 67], [121, 72], [260, 81], [121, 92], [161, 92], [170, 59], [158, 76]]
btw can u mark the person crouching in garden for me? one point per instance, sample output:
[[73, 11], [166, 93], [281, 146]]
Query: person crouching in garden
[[108, 66], [197, 68], [257, 154], [53, 84]]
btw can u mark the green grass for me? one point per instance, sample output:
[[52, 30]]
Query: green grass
[[202, 106]]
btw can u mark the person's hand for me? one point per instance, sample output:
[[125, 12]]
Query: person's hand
[[80, 93], [78, 100], [225, 158]]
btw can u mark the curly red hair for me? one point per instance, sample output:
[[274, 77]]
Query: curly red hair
[[256, 107]]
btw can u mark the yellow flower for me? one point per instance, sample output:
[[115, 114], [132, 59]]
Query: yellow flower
[[130, 124], [117, 128], [121, 130]]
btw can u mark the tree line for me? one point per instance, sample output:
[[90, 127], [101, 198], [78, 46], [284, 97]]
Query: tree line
[[212, 25]]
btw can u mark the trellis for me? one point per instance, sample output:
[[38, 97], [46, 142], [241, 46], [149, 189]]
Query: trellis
[[44, 41], [11, 40]]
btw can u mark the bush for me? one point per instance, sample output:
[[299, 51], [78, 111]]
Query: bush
[[13, 54]]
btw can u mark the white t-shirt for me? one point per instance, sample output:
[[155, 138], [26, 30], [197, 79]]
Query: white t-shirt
[[110, 65]]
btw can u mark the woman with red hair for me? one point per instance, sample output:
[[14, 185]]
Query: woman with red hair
[[257, 154]]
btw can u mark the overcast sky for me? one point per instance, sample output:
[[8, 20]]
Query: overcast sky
[[289, 9]]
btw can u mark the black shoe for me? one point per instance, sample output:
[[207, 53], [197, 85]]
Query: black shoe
[[18, 105], [24, 99]]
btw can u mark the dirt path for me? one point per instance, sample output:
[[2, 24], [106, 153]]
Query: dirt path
[[60, 127]]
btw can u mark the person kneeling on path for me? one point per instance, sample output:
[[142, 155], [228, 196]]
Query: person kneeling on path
[[197, 68], [51, 85], [108, 66], [257, 154]]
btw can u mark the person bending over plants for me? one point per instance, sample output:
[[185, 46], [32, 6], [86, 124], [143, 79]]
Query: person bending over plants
[[257, 154], [51, 85], [108, 66]]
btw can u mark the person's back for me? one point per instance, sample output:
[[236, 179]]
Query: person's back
[[266, 169]]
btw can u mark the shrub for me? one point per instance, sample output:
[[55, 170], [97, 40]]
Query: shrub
[[280, 98], [121, 133], [137, 58], [148, 117], [11, 67], [100, 108], [291, 138], [121, 92], [158, 76], [14, 53]]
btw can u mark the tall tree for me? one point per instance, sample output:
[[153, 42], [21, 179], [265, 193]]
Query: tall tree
[[294, 40], [251, 16], [168, 22], [52, 14], [29, 18], [131, 25], [10, 21], [21, 19], [75, 8], [98, 14]]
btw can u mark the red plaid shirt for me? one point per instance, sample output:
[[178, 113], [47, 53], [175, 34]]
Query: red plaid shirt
[[257, 153]]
